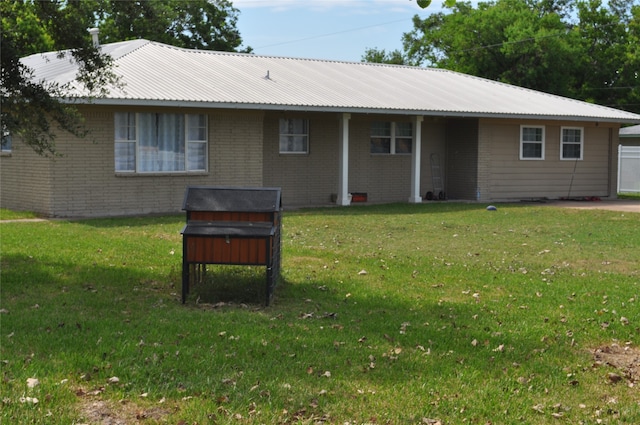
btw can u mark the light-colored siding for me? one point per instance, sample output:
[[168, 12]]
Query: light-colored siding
[[509, 178]]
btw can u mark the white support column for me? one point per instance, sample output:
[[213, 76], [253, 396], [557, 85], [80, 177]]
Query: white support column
[[416, 153], [343, 177]]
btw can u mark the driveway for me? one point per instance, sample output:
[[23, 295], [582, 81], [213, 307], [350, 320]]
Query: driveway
[[623, 205]]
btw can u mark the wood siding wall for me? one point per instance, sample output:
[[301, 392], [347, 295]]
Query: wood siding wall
[[509, 178]]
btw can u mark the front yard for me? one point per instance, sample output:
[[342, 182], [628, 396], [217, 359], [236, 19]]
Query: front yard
[[401, 314]]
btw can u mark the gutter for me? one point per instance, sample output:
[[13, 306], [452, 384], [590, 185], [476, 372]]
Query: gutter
[[336, 109]]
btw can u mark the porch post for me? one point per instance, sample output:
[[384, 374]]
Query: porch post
[[416, 153], [343, 177]]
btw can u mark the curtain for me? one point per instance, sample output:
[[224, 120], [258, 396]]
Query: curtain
[[161, 142]]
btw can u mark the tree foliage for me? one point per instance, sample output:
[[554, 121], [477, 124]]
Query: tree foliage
[[193, 24], [395, 57], [35, 110], [583, 49], [30, 107]]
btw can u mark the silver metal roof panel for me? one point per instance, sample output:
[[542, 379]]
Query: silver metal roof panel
[[631, 131], [158, 74]]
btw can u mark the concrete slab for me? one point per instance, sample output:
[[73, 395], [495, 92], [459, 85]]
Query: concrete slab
[[623, 205]]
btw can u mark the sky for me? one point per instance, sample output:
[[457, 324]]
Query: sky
[[326, 29]]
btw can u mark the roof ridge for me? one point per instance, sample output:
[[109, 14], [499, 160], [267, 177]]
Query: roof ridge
[[191, 77], [302, 59]]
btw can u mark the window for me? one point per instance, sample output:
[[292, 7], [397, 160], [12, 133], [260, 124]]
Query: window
[[5, 142], [294, 136], [391, 137], [160, 143], [571, 141], [531, 142], [125, 146], [404, 137]]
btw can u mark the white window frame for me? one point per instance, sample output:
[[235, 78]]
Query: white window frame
[[393, 138], [7, 146], [284, 136], [563, 142], [131, 138], [541, 142], [200, 142]]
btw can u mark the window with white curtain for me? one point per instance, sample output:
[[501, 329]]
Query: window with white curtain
[[160, 143], [294, 136]]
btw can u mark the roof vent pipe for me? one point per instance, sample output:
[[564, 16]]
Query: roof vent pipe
[[94, 36]]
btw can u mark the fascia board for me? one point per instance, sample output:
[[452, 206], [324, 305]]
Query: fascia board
[[328, 109]]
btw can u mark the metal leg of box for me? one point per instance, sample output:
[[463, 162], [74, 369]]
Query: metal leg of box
[[185, 280]]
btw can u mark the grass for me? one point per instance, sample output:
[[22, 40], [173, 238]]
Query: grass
[[6, 214], [629, 195], [385, 314]]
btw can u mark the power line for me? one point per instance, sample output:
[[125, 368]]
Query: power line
[[332, 33]]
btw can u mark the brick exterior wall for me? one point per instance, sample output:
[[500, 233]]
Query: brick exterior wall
[[83, 182], [305, 179], [25, 180], [310, 180], [244, 151]]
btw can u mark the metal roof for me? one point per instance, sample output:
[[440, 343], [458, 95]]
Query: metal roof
[[158, 74], [631, 131]]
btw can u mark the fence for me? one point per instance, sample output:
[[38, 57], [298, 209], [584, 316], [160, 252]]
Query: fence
[[628, 169]]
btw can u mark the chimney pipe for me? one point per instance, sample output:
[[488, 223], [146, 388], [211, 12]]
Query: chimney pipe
[[94, 36]]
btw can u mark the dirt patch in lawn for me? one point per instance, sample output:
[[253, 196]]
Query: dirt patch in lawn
[[624, 359], [99, 412]]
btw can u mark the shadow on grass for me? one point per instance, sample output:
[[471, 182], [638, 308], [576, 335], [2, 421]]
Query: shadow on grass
[[231, 284], [29, 279], [324, 328]]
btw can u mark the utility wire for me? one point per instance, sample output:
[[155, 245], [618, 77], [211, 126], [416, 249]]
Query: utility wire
[[332, 33]]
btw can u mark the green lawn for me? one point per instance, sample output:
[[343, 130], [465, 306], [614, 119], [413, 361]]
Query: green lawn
[[398, 314]]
